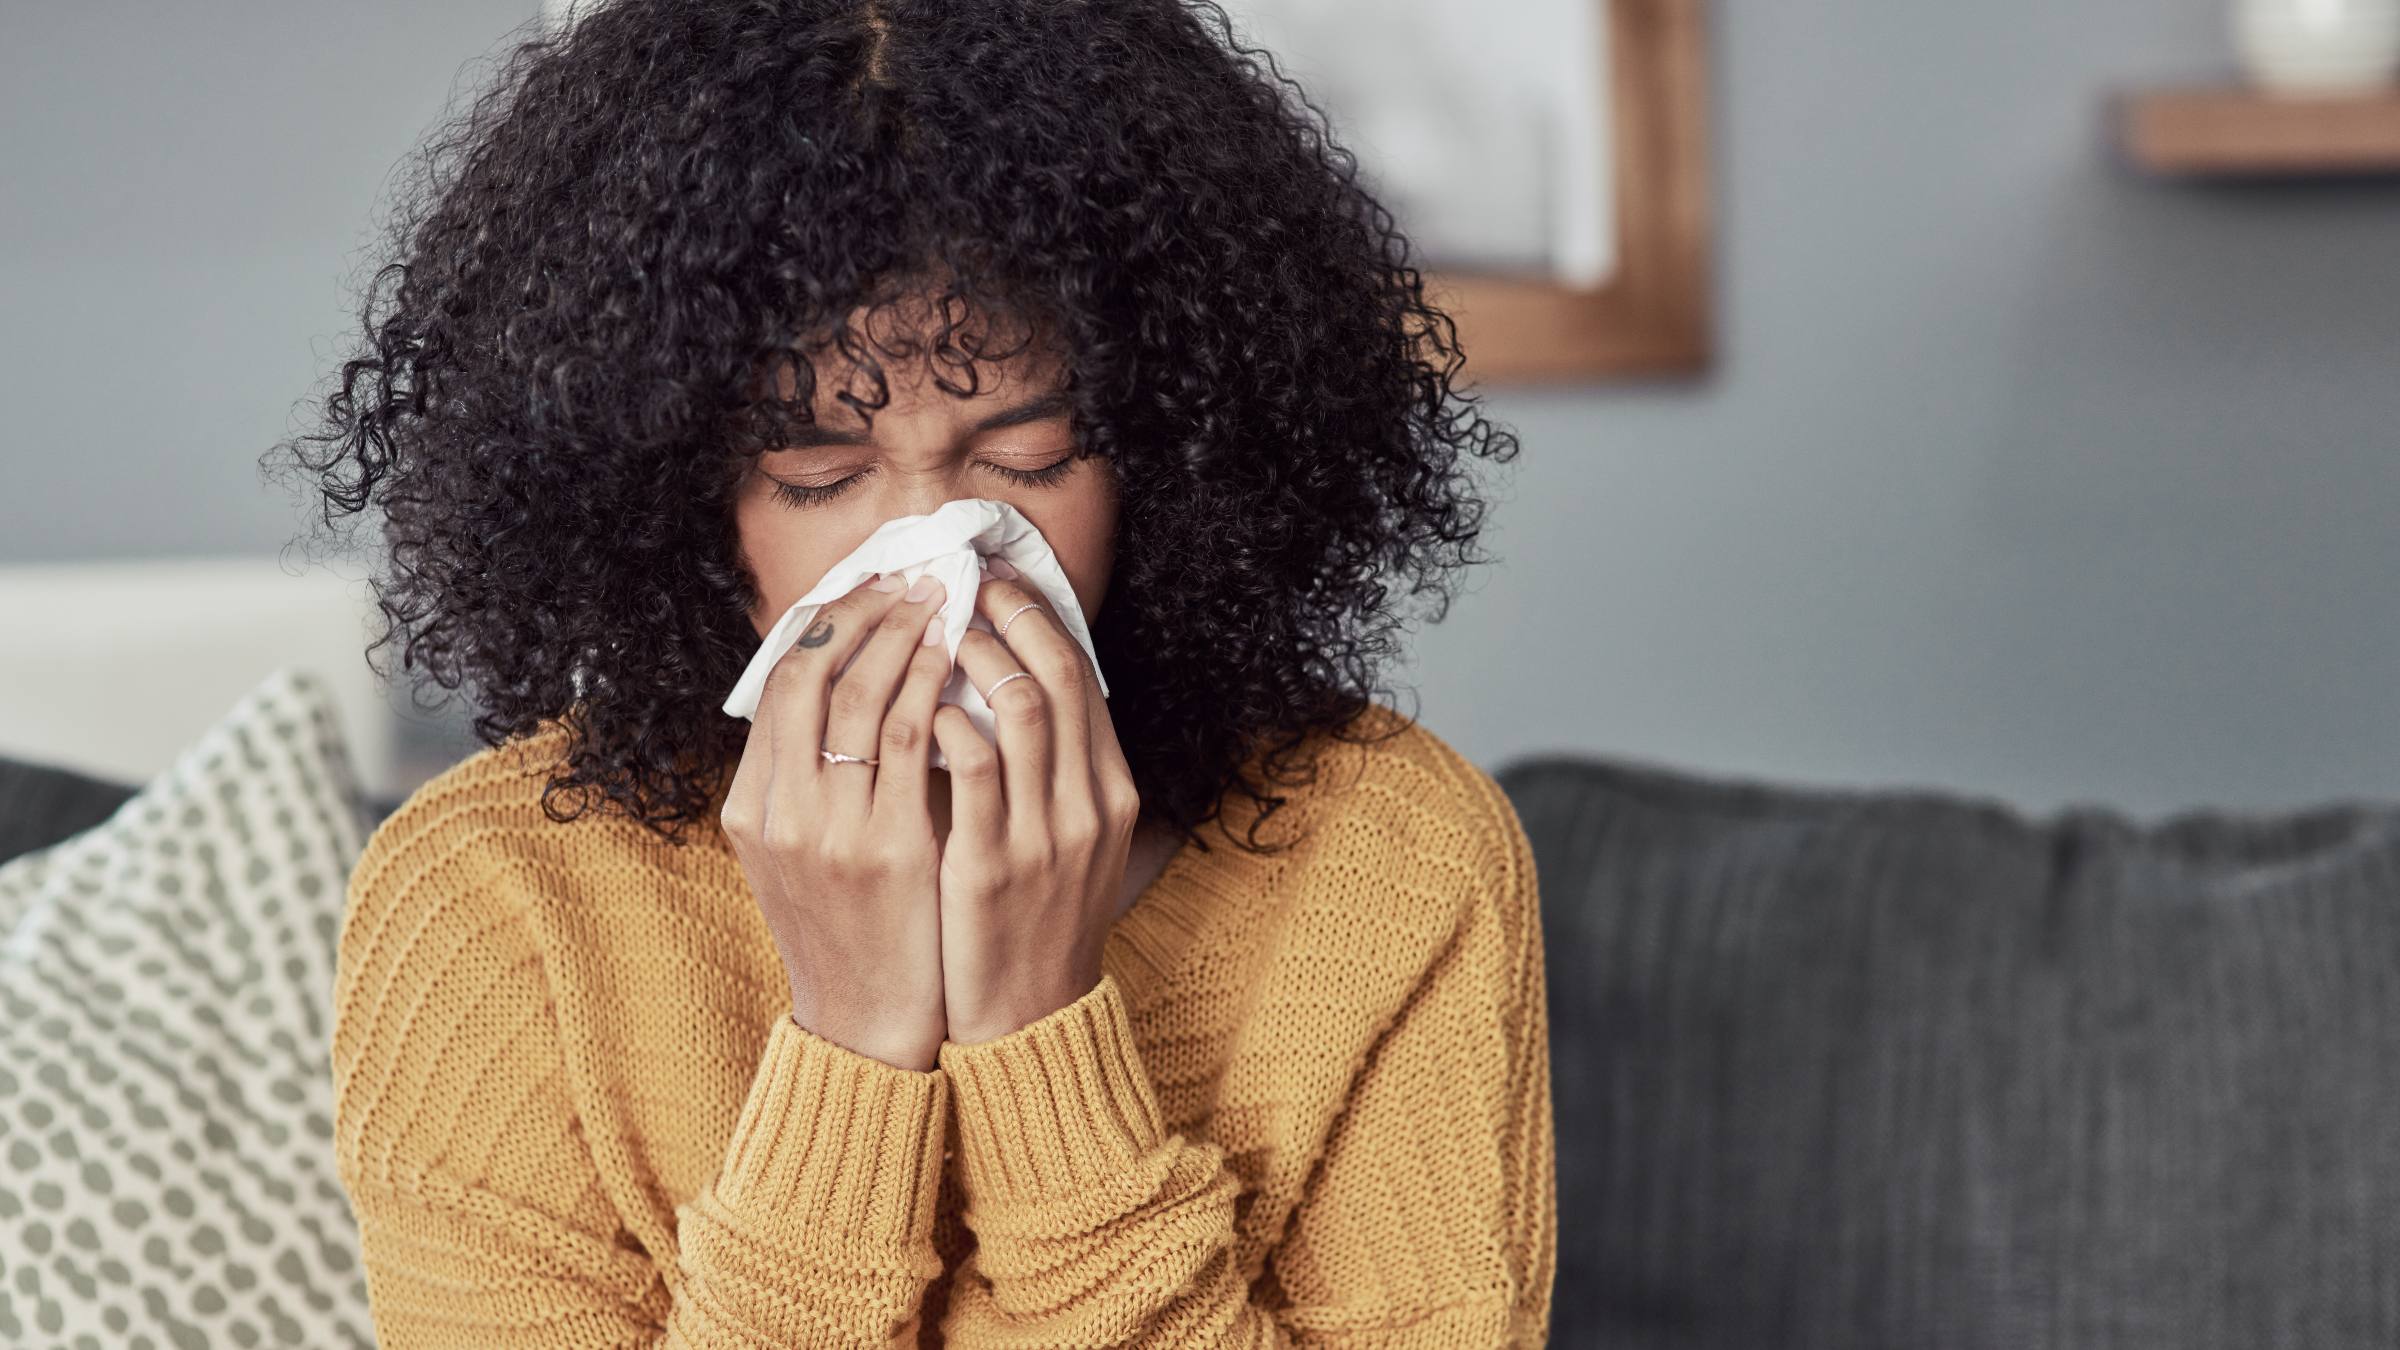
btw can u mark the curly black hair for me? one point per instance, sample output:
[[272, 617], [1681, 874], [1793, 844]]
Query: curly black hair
[[558, 388]]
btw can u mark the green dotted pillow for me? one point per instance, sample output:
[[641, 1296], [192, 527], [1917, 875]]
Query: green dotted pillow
[[165, 1089]]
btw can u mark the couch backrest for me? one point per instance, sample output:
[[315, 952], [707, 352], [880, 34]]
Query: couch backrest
[[1899, 1068], [113, 666]]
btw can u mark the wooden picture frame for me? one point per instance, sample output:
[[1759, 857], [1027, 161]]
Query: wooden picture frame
[[1651, 317]]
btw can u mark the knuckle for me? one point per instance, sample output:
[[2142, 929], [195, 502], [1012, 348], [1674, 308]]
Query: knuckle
[[741, 821], [848, 606], [1076, 826], [893, 853], [879, 856], [852, 701], [852, 858], [785, 833], [786, 675], [976, 883], [1120, 803], [976, 763], [1022, 702], [1062, 673], [902, 734]]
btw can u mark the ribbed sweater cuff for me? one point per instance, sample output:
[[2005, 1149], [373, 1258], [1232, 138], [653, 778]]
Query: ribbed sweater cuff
[[1057, 1104], [829, 1137]]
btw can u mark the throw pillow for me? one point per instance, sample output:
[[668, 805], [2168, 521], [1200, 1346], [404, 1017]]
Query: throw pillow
[[165, 1096]]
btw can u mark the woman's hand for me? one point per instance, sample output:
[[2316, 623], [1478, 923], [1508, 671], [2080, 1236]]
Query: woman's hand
[[1039, 827], [842, 857]]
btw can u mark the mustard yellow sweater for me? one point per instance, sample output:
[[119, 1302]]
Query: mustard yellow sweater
[[1307, 1104]]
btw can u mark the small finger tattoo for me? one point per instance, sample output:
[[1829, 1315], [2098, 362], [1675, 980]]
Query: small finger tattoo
[[819, 633]]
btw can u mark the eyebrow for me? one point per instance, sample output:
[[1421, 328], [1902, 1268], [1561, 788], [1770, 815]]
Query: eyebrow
[[1048, 405]]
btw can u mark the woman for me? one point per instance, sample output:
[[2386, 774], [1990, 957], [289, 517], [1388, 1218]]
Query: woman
[[1206, 1014]]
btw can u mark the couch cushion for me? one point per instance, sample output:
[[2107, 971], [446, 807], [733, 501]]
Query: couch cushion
[[1899, 1068], [165, 1101], [41, 804]]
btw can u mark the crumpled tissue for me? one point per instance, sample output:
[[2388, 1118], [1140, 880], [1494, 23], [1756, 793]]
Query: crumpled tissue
[[950, 543]]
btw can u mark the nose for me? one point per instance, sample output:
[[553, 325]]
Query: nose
[[921, 477]]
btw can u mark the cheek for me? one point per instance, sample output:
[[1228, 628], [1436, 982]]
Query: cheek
[[1082, 531], [785, 558], [1088, 572]]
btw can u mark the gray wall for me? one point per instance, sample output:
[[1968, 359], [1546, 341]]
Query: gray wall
[[2018, 474], [188, 189]]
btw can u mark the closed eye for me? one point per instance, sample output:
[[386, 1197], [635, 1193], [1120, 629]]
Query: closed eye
[[1045, 476], [799, 495]]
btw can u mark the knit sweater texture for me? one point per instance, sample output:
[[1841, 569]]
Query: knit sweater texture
[[1308, 1102]]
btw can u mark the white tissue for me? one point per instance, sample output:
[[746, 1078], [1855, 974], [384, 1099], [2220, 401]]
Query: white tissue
[[949, 544]]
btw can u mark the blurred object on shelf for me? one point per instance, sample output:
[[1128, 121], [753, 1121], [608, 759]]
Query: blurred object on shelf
[[2318, 46]]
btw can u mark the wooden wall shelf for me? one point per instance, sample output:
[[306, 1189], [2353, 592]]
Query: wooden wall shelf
[[2233, 131]]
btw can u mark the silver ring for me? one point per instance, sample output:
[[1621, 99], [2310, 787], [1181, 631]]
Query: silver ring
[[1012, 675], [1012, 614], [837, 757]]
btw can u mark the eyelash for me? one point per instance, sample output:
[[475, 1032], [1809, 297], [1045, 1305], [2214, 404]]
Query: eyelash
[[796, 495]]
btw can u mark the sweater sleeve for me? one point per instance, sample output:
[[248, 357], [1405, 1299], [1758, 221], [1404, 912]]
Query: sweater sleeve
[[481, 1215], [1430, 1223]]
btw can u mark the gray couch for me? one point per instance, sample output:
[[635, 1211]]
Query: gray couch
[[1908, 1069]]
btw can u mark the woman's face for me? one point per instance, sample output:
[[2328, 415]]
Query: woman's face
[[1009, 441]]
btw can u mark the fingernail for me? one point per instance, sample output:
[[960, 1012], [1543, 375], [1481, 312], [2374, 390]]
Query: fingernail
[[885, 582], [999, 567], [922, 589], [933, 632]]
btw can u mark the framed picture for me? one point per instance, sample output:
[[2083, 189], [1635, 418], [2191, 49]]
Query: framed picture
[[1548, 160]]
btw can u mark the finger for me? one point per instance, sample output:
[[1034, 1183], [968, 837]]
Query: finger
[[1111, 772], [1022, 715], [1106, 751], [907, 747], [862, 695], [747, 793], [977, 813], [1041, 644], [1111, 776], [792, 704]]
